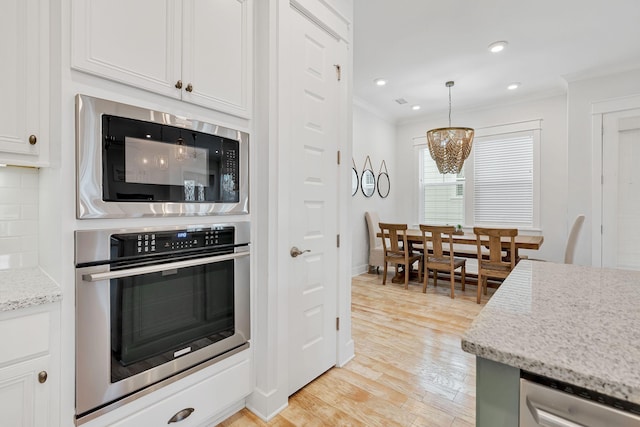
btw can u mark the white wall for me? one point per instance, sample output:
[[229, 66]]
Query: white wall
[[18, 217], [580, 97], [375, 137], [553, 185]]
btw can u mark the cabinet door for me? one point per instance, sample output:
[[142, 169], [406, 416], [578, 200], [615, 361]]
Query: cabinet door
[[217, 44], [24, 401], [20, 83], [134, 42]]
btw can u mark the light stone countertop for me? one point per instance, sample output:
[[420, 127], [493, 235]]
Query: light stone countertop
[[26, 287], [572, 323]]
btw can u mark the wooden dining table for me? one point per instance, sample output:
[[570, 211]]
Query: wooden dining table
[[521, 242]]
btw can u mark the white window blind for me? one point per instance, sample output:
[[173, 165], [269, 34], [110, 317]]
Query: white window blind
[[442, 194], [503, 180]]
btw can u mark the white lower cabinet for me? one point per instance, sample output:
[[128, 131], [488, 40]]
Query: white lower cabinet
[[189, 402], [24, 399], [26, 366]]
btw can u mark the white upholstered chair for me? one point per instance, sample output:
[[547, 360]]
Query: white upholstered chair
[[570, 249], [376, 252]]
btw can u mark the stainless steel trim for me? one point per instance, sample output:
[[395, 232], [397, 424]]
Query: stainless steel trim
[[548, 407], [89, 204], [95, 277], [547, 419], [93, 342], [94, 245], [157, 386], [93, 385]]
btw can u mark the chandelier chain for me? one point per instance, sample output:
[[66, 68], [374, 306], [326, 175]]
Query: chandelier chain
[[449, 106]]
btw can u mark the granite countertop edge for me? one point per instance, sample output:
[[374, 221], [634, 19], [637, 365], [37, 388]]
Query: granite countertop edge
[[27, 287], [598, 384]]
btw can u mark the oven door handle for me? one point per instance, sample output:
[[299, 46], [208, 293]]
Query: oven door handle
[[108, 275]]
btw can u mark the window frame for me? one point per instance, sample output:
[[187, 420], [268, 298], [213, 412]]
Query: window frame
[[532, 127], [421, 201]]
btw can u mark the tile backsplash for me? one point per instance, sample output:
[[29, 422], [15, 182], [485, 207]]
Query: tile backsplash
[[18, 217]]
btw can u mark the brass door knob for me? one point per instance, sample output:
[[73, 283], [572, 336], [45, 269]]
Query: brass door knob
[[33, 139], [179, 84], [42, 377], [295, 252], [189, 88]]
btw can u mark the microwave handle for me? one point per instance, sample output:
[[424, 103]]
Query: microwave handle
[[96, 277]]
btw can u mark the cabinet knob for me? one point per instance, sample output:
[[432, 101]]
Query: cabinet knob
[[33, 139], [179, 84], [189, 88], [181, 415], [42, 377]]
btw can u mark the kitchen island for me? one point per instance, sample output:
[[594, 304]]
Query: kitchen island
[[579, 325]]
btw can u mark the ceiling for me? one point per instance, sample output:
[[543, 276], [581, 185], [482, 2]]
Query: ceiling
[[418, 45]]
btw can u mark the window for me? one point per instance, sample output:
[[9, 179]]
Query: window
[[503, 180], [442, 196], [498, 186]]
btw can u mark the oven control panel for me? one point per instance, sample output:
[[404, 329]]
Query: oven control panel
[[132, 244]]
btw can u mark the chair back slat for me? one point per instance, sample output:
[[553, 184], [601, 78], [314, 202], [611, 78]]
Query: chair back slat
[[495, 236], [392, 235], [438, 234], [395, 233]]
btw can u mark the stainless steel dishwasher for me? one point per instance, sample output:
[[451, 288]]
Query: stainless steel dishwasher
[[550, 403]]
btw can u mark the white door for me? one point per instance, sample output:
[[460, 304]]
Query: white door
[[621, 190], [313, 201]]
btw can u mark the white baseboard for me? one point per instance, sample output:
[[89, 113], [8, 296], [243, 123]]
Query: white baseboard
[[359, 269], [265, 405]]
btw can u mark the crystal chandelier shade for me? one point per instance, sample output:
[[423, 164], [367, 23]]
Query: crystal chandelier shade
[[449, 147]]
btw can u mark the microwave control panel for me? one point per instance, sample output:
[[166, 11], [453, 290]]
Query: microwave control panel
[[134, 244]]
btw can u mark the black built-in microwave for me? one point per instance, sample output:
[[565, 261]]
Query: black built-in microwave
[[134, 162]]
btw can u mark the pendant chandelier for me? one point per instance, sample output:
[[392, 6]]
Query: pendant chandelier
[[450, 146]]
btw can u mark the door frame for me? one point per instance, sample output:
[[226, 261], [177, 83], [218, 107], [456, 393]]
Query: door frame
[[338, 26], [272, 136], [598, 110]]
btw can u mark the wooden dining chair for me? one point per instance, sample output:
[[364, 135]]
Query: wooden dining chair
[[494, 266], [437, 261], [393, 235]]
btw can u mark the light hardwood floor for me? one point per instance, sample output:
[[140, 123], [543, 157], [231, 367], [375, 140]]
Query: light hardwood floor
[[408, 370]]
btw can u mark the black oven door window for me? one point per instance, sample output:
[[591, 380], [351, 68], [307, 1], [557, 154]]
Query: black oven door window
[[158, 317], [145, 161]]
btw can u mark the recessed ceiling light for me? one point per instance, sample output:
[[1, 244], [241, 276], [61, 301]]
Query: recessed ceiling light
[[380, 82], [496, 47], [513, 86], [415, 107]]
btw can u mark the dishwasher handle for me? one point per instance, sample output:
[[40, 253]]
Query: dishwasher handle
[[547, 419], [137, 271]]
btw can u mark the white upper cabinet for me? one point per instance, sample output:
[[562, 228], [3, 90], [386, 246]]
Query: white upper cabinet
[[24, 80], [195, 50], [216, 54]]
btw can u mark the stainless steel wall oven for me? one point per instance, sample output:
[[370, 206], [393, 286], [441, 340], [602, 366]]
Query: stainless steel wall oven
[[134, 162], [154, 304]]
